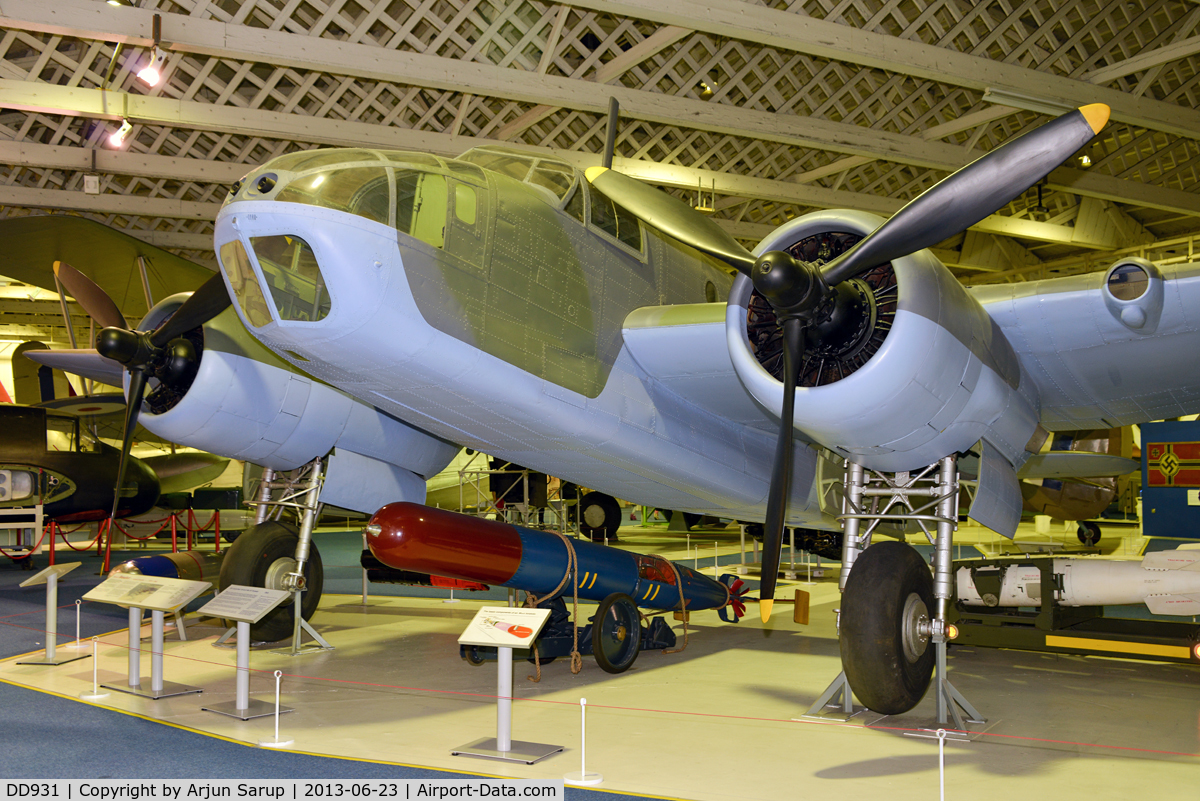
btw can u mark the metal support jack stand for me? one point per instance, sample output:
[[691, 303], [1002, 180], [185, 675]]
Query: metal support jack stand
[[871, 496], [837, 694], [503, 746], [158, 687]]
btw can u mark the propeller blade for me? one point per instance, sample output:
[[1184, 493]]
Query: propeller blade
[[671, 216], [137, 386], [88, 294], [205, 303], [960, 200], [781, 472], [84, 361]]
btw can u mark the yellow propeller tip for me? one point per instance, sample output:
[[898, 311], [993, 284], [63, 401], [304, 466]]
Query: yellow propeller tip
[[592, 173], [1096, 115], [57, 264], [764, 608]]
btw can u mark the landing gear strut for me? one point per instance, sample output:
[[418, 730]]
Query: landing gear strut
[[892, 609], [275, 554]]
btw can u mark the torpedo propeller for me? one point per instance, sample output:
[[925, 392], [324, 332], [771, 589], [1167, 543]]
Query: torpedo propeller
[[805, 295], [164, 353]]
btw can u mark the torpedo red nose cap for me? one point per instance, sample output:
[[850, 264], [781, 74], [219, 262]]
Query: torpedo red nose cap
[[409, 536]]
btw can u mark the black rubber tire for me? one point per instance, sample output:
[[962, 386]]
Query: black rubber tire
[[616, 633], [883, 676], [249, 560], [599, 516], [691, 520], [472, 656], [1088, 533]]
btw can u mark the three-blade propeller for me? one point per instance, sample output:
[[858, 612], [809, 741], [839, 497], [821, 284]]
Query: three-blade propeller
[[803, 294], [163, 354]]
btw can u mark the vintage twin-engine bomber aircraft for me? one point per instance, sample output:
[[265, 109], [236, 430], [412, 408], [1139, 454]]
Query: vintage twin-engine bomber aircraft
[[570, 322]]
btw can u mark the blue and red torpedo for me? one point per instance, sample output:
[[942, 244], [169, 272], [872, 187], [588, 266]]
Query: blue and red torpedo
[[409, 536]]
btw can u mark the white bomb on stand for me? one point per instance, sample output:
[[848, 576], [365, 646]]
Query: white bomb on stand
[[1167, 582]]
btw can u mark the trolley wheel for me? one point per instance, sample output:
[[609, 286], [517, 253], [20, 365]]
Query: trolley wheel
[[599, 516], [473, 657], [261, 557], [1088, 533], [887, 660], [616, 633]]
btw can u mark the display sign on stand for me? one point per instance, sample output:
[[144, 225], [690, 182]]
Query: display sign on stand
[[50, 577], [245, 606], [159, 595], [505, 628]]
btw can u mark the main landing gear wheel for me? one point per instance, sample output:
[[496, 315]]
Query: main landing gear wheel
[[888, 596], [599, 516], [616, 633], [1088, 533], [261, 557]]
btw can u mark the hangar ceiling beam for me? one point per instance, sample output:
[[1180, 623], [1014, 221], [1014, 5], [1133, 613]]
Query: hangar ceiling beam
[[83, 159], [788, 30], [107, 203], [80, 159], [89, 20], [95, 20]]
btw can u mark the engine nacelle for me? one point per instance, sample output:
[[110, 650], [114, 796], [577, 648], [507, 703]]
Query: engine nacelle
[[246, 403], [923, 374]]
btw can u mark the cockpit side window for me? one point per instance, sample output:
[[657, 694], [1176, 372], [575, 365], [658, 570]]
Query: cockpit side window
[[421, 201], [364, 191], [509, 164], [615, 220], [293, 278], [238, 268], [553, 176], [61, 433], [574, 206]]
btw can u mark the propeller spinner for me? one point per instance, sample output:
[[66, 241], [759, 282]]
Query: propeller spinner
[[805, 296]]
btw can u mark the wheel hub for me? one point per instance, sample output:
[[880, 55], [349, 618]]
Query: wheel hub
[[594, 516], [277, 573], [914, 627]]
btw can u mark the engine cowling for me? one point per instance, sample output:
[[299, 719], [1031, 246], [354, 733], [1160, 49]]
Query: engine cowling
[[910, 369], [246, 403]]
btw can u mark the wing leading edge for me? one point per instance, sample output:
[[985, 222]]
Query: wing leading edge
[[1092, 367]]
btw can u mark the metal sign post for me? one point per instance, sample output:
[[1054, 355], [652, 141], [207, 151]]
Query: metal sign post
[[159, 595], [503, 628], [245, 605], [50, 577]]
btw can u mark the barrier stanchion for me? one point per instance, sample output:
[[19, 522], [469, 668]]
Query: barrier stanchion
[[583, 778], [941, 735], [95, 694], [174, 532], [276, 743]]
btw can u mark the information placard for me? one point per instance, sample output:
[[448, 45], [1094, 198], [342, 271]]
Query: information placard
[[244, 604], [146, 592], [504, 626], [42, 576]]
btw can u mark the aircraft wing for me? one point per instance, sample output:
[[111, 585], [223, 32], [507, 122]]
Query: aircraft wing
[[683, 347], [86, 362], [1091, 369]]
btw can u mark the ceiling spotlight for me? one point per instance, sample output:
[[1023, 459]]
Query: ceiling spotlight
[[1085, 160], [118, 136], [151, 74]]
